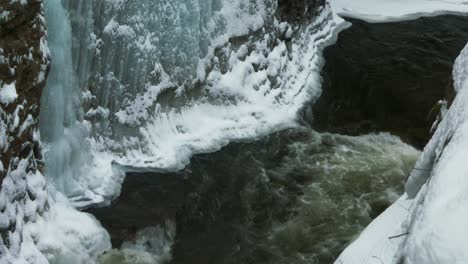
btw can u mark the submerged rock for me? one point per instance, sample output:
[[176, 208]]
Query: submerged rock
[[389, 77]]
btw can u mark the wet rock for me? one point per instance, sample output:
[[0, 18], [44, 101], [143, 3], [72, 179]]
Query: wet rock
[[389, 77]]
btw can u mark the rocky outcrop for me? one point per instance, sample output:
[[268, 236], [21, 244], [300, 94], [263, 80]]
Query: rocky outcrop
[[24, 64], [389, 77], [23, 67]]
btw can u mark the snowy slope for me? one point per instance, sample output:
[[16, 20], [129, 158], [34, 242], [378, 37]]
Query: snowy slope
[[432, 218], [397, 10]]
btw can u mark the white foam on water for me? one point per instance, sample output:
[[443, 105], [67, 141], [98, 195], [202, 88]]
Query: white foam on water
[[151, 245]]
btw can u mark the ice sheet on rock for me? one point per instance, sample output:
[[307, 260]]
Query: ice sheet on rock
[[435, 222], [182, 82], [376, 11], [121, 56], [261, 92]]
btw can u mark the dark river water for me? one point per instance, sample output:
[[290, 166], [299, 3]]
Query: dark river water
[[297, 196]]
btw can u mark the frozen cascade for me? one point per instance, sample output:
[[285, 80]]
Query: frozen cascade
[[139, 72], [60, 119]]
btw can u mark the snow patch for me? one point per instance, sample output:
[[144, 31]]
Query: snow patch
[[378, 11], [8, 93]]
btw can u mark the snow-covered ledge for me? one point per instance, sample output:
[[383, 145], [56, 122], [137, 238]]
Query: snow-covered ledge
[[378, 11], [428, 224]]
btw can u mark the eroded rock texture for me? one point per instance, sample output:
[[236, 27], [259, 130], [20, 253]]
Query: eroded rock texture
[[24, 63], [298, 10]]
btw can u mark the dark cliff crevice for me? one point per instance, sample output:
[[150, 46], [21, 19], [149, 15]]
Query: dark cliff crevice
[[389, 77]]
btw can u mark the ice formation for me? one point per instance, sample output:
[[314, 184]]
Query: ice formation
[[164, 80]]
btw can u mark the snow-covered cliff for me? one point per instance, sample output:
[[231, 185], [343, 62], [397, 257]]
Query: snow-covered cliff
[[24, 61]]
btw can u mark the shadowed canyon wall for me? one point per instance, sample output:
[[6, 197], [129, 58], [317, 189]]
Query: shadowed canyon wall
[[389, 77]]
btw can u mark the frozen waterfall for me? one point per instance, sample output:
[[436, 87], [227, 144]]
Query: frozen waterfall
[[144, 85]]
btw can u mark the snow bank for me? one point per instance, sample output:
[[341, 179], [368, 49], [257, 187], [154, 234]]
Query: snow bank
[[433, 223], [44, 231], [65, 235], [376, 11]]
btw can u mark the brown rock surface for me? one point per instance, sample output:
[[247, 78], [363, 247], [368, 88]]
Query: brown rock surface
[[23, 62]]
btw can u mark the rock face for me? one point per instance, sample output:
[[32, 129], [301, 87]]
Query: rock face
[[24, 63], [389, 77], [298, 10], [23, 67]]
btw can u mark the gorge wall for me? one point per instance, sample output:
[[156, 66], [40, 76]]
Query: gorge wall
[[390, 76], [23, 68]]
